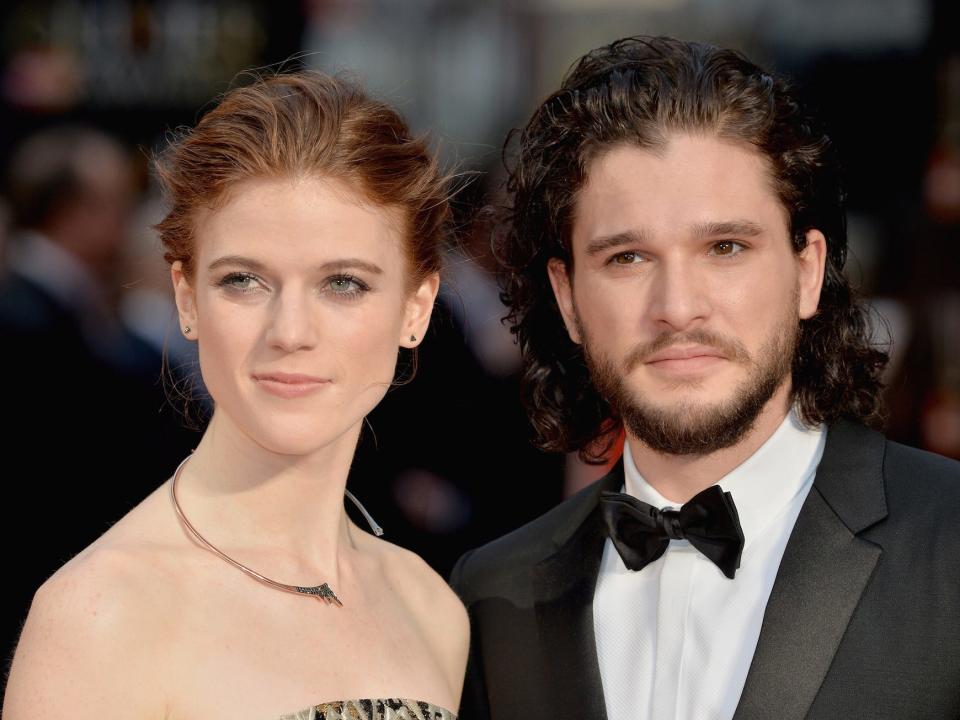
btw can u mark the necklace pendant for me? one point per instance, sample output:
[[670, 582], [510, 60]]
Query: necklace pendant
[[322, 592]]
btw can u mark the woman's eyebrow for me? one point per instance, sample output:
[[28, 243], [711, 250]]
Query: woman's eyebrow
[[331, 265]]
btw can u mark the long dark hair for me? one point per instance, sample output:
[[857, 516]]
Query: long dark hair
[[640, 90]]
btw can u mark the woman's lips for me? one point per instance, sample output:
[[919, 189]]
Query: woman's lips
[[290, 385]]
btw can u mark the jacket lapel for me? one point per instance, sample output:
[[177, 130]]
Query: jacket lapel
[[564, 585], [824, 571]]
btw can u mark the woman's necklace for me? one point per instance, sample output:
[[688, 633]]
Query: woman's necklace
[[322, 592]]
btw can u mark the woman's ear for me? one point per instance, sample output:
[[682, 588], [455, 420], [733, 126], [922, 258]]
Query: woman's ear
[[186, 300], [418, 310]]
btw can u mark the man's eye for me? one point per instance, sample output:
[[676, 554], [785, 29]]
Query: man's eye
[[726, 247], [626, 258]]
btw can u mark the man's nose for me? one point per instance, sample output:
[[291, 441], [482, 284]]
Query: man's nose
[[678, 296]]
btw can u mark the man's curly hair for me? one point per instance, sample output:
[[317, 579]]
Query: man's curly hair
[[641, 90]]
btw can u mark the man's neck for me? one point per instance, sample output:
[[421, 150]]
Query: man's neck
[[679, 477]]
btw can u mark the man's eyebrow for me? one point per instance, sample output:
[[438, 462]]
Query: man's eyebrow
[[620, 239], [739, 228], [331, 266]]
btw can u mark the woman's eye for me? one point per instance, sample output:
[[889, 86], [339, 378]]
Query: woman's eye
[[626, 258], [726, 247], [347, 285], [238, 281]]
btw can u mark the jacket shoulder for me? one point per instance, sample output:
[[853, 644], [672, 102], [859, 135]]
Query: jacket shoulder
[[26, 308], [498, 565], [916, 475], [903, 457]]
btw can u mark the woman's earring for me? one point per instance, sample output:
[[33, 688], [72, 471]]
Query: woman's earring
[[186, 330], [413, 338]]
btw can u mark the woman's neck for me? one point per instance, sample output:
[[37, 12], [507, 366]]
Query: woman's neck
[[265, 505]]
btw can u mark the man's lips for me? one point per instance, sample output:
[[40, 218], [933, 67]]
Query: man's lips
[[680, 354]]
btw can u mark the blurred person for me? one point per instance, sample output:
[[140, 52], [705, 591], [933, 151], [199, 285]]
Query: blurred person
[[81, 389], [674, 257], [72, 191], [304, 240]]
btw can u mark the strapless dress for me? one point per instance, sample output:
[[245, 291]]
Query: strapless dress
[[388, 709]]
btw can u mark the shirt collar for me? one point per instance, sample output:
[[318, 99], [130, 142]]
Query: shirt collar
[[764, 484]]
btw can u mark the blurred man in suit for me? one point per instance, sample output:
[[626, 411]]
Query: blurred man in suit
[[77, 381]]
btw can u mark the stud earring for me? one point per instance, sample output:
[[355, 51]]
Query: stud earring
[[413, 338], [186, 330]]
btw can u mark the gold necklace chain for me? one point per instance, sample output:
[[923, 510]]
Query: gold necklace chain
[[321, 592]]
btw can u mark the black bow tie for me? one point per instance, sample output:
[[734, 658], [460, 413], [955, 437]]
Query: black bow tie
[[641, 532]]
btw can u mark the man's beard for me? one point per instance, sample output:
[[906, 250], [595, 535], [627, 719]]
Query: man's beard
[[691, 428]]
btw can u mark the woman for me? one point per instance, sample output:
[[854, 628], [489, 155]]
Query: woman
[[304, 239]]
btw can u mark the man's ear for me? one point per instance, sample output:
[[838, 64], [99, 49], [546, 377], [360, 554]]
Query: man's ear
[[561, 281], [186, 300], [812, 262], [418, 309]]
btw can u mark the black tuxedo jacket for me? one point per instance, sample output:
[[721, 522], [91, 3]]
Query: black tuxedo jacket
[[863, 620]]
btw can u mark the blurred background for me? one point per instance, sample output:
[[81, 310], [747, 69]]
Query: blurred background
[[90, 89]]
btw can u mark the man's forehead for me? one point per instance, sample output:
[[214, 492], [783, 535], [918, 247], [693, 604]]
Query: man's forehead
[[692, 153], [697, 184]]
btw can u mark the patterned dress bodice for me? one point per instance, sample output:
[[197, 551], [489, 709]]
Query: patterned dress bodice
[[381, 709]]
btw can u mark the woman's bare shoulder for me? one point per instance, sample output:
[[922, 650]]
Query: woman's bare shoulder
[[438, 610], [411, 571], [100, 619], [127, 570]]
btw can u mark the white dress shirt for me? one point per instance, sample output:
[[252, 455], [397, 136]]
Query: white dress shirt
[[675, 639]]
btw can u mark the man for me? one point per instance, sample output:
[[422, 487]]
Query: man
[[674, 258]]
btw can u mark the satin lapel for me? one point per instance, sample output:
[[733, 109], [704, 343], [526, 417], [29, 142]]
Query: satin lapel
[[824, 571], [564, 584]]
